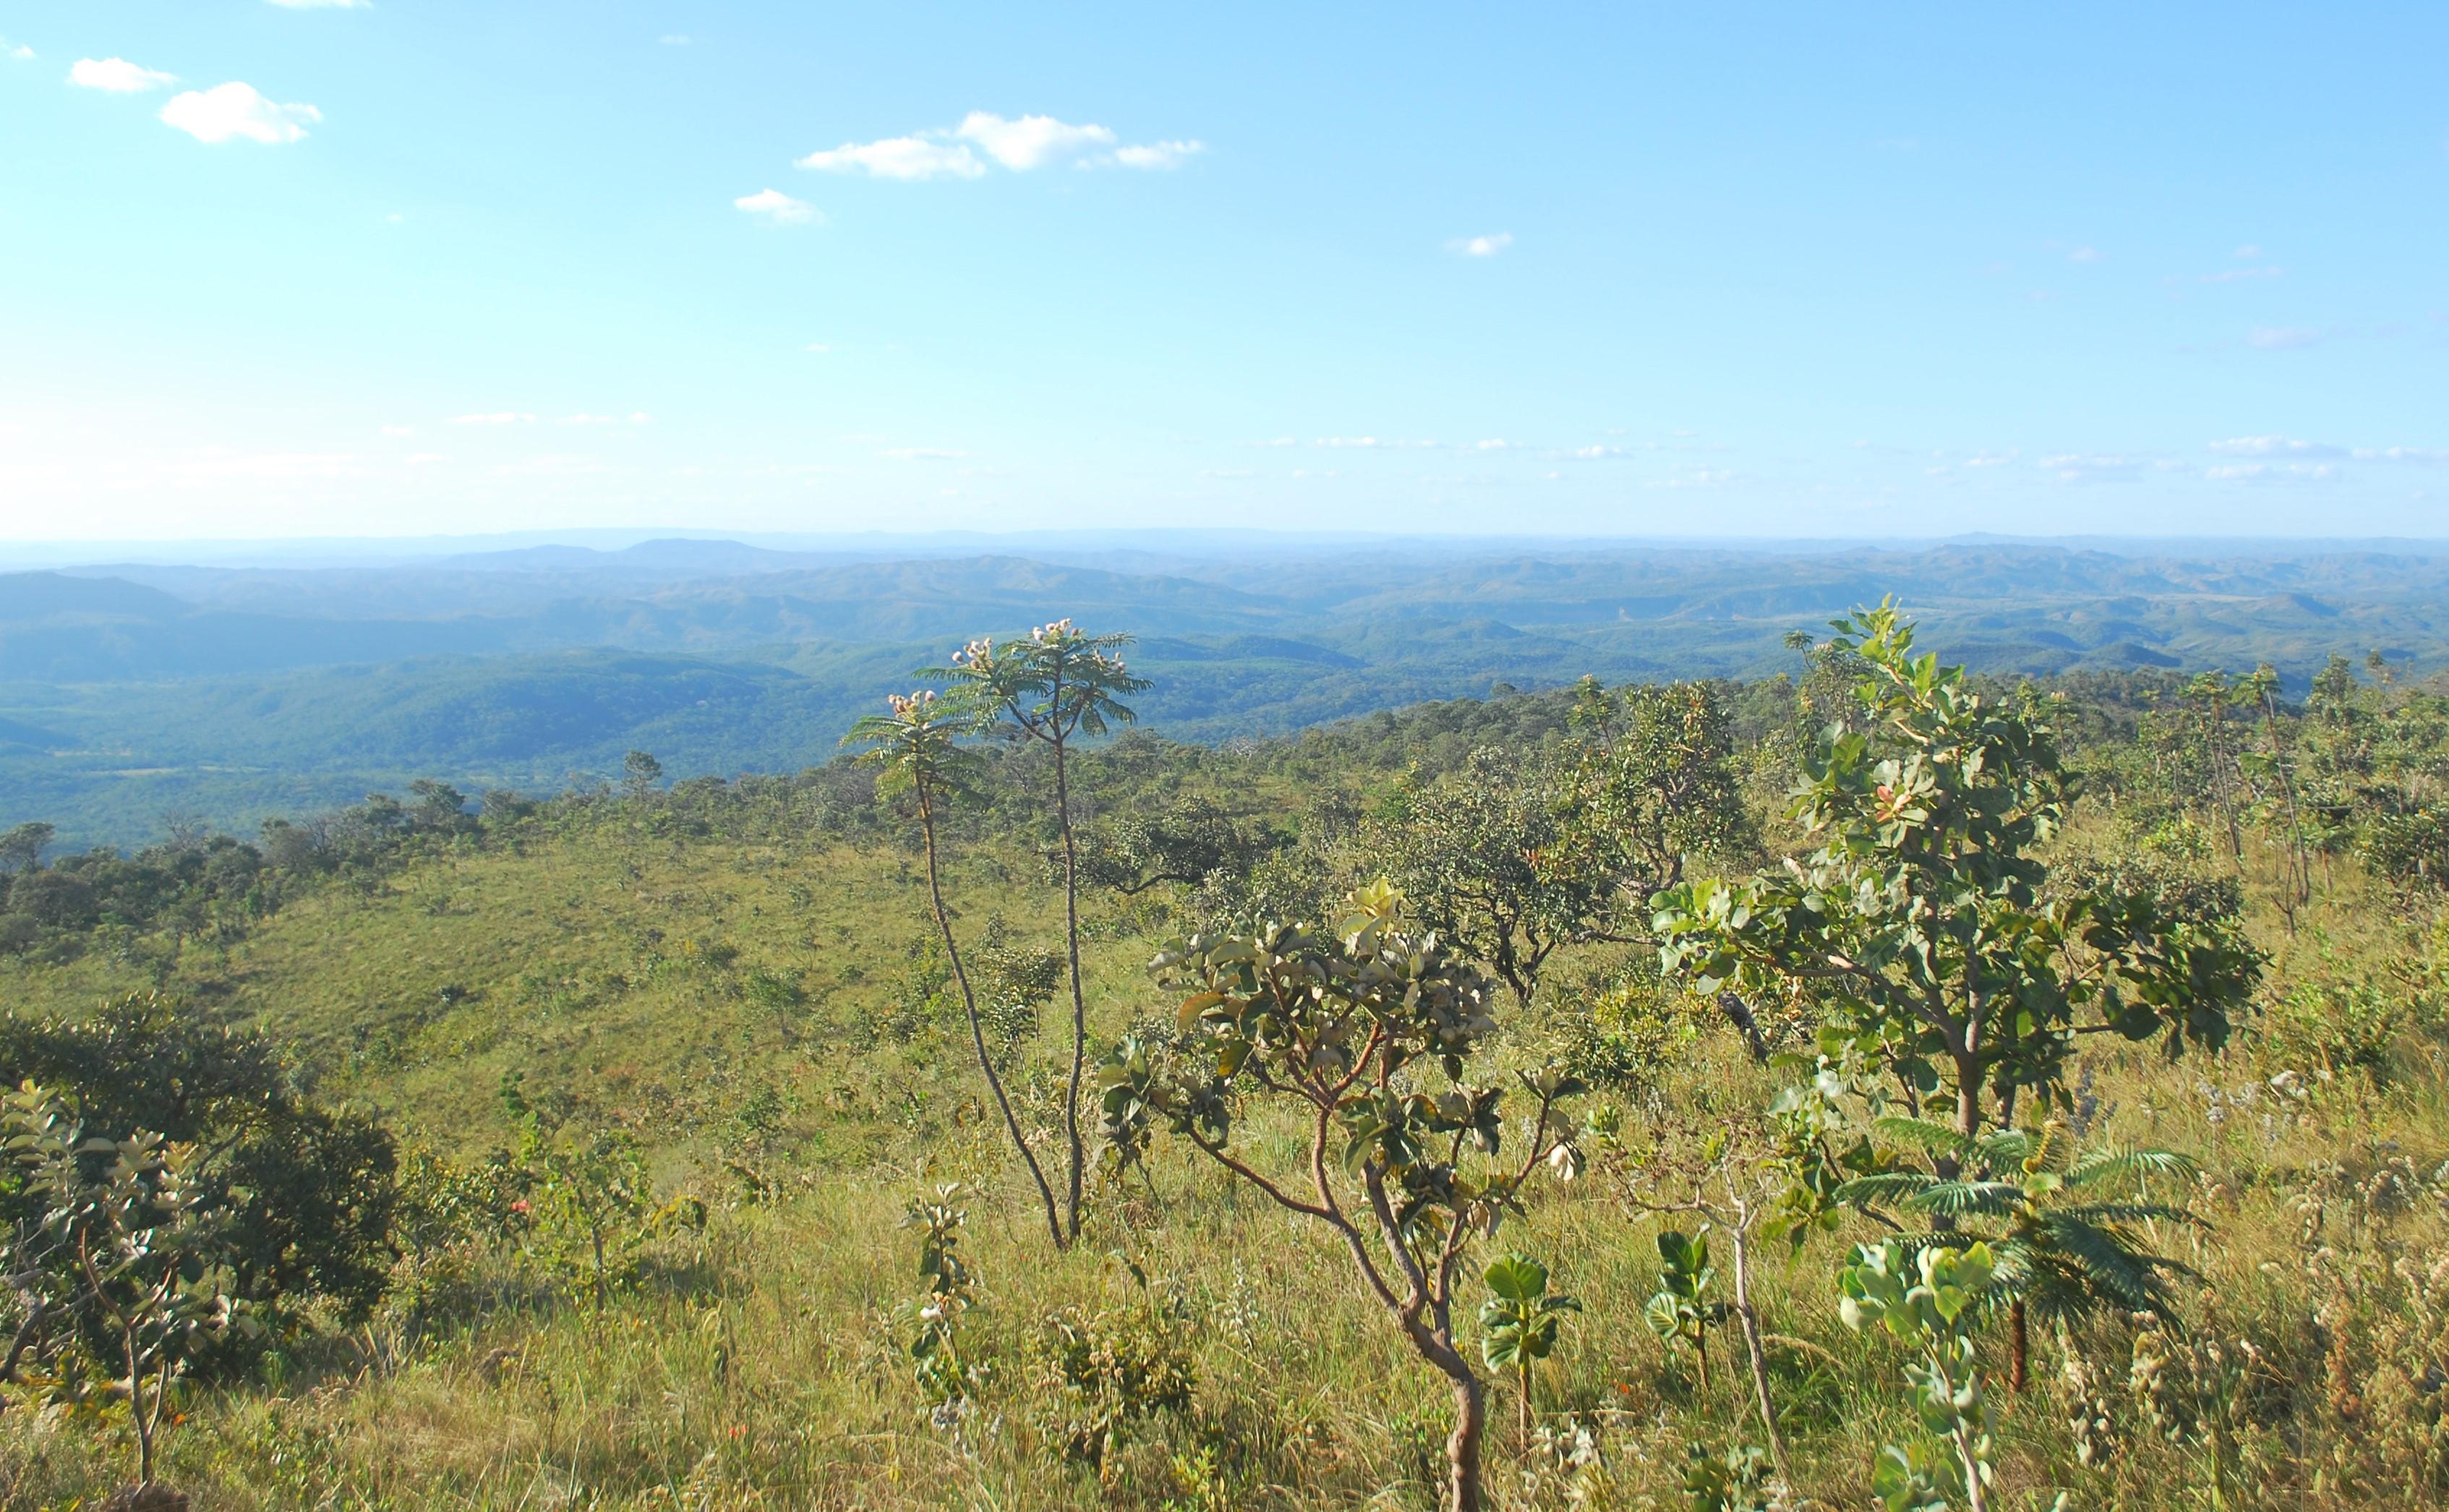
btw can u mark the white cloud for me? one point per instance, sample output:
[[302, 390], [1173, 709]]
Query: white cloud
[[1031, 142], [15, 50], [899, 158], [778, 207], [1481, 246], [117, 76], [553, 465], [672, 39], [2084, 254], [640, 417], [2283, 337], [1020, 143], [2423, 456], [921, 453], [496, 417], [2273, 472], [1592, 454], [1158, 155], [2249, 251], [1499, 444], [2075, 467], [588, 419], [2273, 446], [226, 111], [1705, 477]]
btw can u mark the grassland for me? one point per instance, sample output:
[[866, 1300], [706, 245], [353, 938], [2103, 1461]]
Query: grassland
[[762, 1014]]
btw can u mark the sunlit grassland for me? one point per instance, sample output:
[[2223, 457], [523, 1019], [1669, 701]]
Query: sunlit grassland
[[763, 1361]]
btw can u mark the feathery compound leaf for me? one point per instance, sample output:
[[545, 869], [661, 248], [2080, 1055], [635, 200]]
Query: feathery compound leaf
[[2125, 1163]]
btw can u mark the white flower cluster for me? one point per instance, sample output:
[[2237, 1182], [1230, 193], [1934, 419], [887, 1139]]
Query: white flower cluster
[[910, 706]]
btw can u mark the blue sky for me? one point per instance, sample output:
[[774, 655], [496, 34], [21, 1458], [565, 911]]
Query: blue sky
[[438, 265]]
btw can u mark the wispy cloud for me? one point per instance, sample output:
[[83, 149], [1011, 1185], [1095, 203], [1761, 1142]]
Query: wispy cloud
[[2273, 472], [906, 157], [672, 39], [2419, 456], [2084, 254], [230, 112], [2284, 337], [15, 50], [117, 76], [1705, 477], [778, 207], [2274, 446], [1481, 246], [2079, 469], [1021, 143], [555, 465], [1493, 444], [1159, 156]]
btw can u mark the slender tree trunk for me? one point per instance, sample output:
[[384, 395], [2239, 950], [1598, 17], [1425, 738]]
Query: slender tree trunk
[[1523, 1377], [135, 1408], [977, 1035], [1748, 1317], [1079, 998]]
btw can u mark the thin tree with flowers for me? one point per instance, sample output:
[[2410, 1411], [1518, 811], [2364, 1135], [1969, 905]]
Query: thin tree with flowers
[[1057, 685], [918, 752]]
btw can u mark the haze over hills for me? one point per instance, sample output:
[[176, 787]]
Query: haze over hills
[[234, 688]]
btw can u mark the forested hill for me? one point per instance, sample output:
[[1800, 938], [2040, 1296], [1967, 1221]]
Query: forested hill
[[131, 690]]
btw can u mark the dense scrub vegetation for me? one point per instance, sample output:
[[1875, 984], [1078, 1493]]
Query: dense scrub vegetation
[[1867, 1085]]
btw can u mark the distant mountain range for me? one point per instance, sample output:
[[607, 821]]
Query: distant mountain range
[[234, 690]]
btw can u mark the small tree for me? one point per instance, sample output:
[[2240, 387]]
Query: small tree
[[21, 846], [1058, 685], [1522, 1319], [1653, 785], [640, 772], [917, 748], [1682, 1308], [1483, 856], [123, 1239], [1929, 1299], [1346, 1030], [937, 1360], [1950, 978], [593, 1205]]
